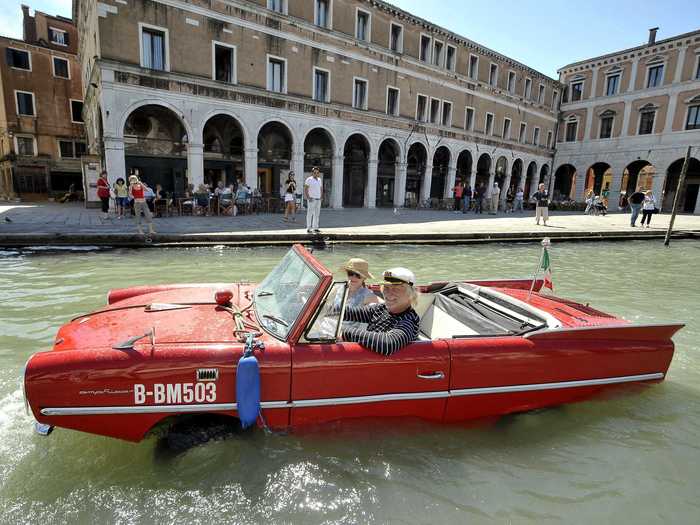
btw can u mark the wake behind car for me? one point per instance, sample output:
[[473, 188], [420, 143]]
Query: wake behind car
[[156, 354]]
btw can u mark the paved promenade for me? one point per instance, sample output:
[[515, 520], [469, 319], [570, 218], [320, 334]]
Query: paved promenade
[[50, 223]]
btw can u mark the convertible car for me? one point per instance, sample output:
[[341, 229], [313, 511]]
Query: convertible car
[[156, 354]]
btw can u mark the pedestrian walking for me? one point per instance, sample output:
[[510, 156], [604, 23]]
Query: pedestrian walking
[[636, 201], [290, 190], [313, 191], [541, 198], [648, 208], [479, 196], [458, 191], [495, 194], [103, 193], [137, 192], [466, 198], [518, 203], [590, 200], [510, 198]]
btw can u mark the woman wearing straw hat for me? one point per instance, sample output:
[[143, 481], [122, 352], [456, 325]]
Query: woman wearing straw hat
[[358, 294]]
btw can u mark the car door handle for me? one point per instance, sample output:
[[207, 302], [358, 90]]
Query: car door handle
[[432, 375]]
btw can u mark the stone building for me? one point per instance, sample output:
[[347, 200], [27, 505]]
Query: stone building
[[391, 107], [41, 128], [627, 119]]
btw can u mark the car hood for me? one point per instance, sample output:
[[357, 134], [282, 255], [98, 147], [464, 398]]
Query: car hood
[[179, 316]]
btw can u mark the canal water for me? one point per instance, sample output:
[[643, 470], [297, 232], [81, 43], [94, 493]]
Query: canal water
[[632, 458]]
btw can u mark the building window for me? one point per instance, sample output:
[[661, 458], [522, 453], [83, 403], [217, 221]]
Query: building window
[[506, 129], [446, 113], [655, 76], [523, 130], [488, 125], [451, 61], [277, 6], [511, 82], [549, 139], [359, 95], [571, 130], [528, 88], [322, 13], [66, 149], [276, 74], [540, 94], [80, 148], [473, 67], [76, 111], [555, 99], [58, 36], [536, 136], [606, 125], [224, 63], [362, 25], [396, 38], [60, 68], [25, 146], [322, 85], [392, 101], [437, 53], [421, 108], [18, 59], [154, 53], [493, 75], [425, 48], [576, 91], [469, 119], [434, 110], [25, 103], [613, 85], [693, 120], [646, 121], [697, 69]]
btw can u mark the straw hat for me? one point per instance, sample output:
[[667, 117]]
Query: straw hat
[[133, 179], [359, 266]]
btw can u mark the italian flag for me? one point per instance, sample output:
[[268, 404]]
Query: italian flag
[[546, 268]]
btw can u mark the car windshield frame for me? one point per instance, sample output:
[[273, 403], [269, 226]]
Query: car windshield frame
[[290, 293]]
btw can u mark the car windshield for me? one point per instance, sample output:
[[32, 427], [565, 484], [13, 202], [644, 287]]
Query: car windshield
[[281, 296]]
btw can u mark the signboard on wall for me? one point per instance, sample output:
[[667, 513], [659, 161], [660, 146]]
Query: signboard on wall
[[90, 165]]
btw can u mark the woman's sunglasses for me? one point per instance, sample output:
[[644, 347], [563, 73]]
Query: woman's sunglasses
[[353, 274]]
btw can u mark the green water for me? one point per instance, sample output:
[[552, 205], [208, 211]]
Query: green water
[[633, 458]]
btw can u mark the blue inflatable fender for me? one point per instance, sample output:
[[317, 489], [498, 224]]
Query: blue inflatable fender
[[248, 390]]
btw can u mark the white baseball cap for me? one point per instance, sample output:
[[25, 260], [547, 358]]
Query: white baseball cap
[[399, 275]]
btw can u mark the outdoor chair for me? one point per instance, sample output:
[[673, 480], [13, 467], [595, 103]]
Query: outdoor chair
[[201, 204], [162, 207]]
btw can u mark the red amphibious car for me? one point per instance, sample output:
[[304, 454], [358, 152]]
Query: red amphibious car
[[156, 353]]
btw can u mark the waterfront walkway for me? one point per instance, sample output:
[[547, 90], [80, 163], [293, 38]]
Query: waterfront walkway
[[50, 223]]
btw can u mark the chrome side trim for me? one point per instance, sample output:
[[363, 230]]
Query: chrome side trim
[[553, 386], [335, 401]]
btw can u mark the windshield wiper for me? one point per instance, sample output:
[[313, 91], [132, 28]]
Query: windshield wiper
[[264, 293], [531, 329], [276, 320]]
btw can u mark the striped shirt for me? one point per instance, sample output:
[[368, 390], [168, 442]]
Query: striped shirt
[[386, 333]]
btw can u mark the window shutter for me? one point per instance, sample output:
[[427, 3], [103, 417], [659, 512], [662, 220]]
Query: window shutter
[[66, 38], [8, 56]]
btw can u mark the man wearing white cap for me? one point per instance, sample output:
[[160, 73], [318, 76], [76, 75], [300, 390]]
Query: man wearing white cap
[[391, 325]]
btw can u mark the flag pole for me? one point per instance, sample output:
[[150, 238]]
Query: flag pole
[[545, 242]]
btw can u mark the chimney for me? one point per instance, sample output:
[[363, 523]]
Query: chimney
[[28, 25], [652, 36]]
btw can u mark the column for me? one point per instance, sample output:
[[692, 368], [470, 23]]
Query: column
[[427, 182], [115, 163], [297, 166], [589, 110], [552, 181], [251, 167], [614, 194], [472, 179], [580, 186], [670, 112], [195, 164], [337, 191], [371, 190], [400, 184], [451, 181], [657, 187], [633, 76], [679, 65], [504, 190], [489, 188], [594, 82]]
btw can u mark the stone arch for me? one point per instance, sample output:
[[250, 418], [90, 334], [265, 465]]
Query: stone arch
[[356, 153], [531, 180], [483, 171], [688, 200], [235, 116], [388, 158], [223, 140], [156, 146], [564, 183], [441, 165], [319, 152], [416, 162], [596, 177], [638, 174], [501, 172], [464, 166], [516, 175], [154, 102], [275, 141]]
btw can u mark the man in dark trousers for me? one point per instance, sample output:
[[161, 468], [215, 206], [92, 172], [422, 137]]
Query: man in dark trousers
[[479, 195], [636, 200]]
